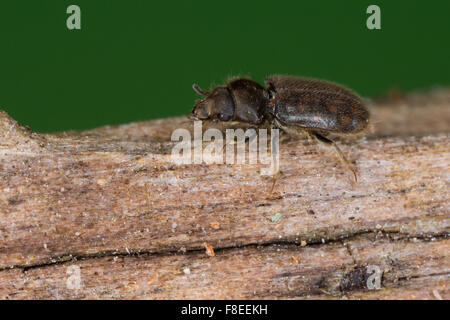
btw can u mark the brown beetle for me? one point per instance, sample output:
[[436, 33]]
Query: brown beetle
[[314, 106]]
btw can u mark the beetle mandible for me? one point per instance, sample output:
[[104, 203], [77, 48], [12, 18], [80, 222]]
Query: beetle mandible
[[316, 107]]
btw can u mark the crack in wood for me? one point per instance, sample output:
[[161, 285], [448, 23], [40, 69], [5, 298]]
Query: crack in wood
[[84, 198], [66, 258]]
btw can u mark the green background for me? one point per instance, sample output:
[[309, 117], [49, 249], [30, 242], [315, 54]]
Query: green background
[[136, 60]]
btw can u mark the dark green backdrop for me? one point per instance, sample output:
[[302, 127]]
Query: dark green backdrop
[[136, 60]]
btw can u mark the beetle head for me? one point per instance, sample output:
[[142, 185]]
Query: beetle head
[[216, 105]]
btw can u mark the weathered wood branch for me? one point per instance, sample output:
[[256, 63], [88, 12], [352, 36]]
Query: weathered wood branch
[[111, 202]]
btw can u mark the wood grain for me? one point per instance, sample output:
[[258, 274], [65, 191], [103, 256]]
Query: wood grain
[[111, 202]]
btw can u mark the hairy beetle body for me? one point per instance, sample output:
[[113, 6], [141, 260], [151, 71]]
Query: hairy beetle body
[[240, 100], [315, 106], [306, 103]]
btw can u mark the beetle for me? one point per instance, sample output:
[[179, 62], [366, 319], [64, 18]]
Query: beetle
[[313, 106]]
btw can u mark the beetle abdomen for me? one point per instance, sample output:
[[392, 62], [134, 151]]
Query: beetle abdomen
[[315, 104]]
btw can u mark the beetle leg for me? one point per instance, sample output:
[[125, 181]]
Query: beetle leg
[[249, 139], [286, 134], [275, 178], [329, 142]]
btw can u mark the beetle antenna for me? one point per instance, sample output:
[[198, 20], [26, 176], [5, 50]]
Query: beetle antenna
[[199, 90]]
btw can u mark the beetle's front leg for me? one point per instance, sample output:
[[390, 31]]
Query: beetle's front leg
[[253, 134]]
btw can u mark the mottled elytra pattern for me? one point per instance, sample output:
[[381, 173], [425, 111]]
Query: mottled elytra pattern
[[291, 101], [315, 104], [111, 202]]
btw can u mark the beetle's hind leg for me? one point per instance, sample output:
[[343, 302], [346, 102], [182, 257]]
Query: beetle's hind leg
[[328, 142]]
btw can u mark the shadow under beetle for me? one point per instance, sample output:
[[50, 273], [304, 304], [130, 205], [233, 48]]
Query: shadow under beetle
[[313, 106]]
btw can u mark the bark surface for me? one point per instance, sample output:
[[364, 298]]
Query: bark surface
[[105, 213]]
